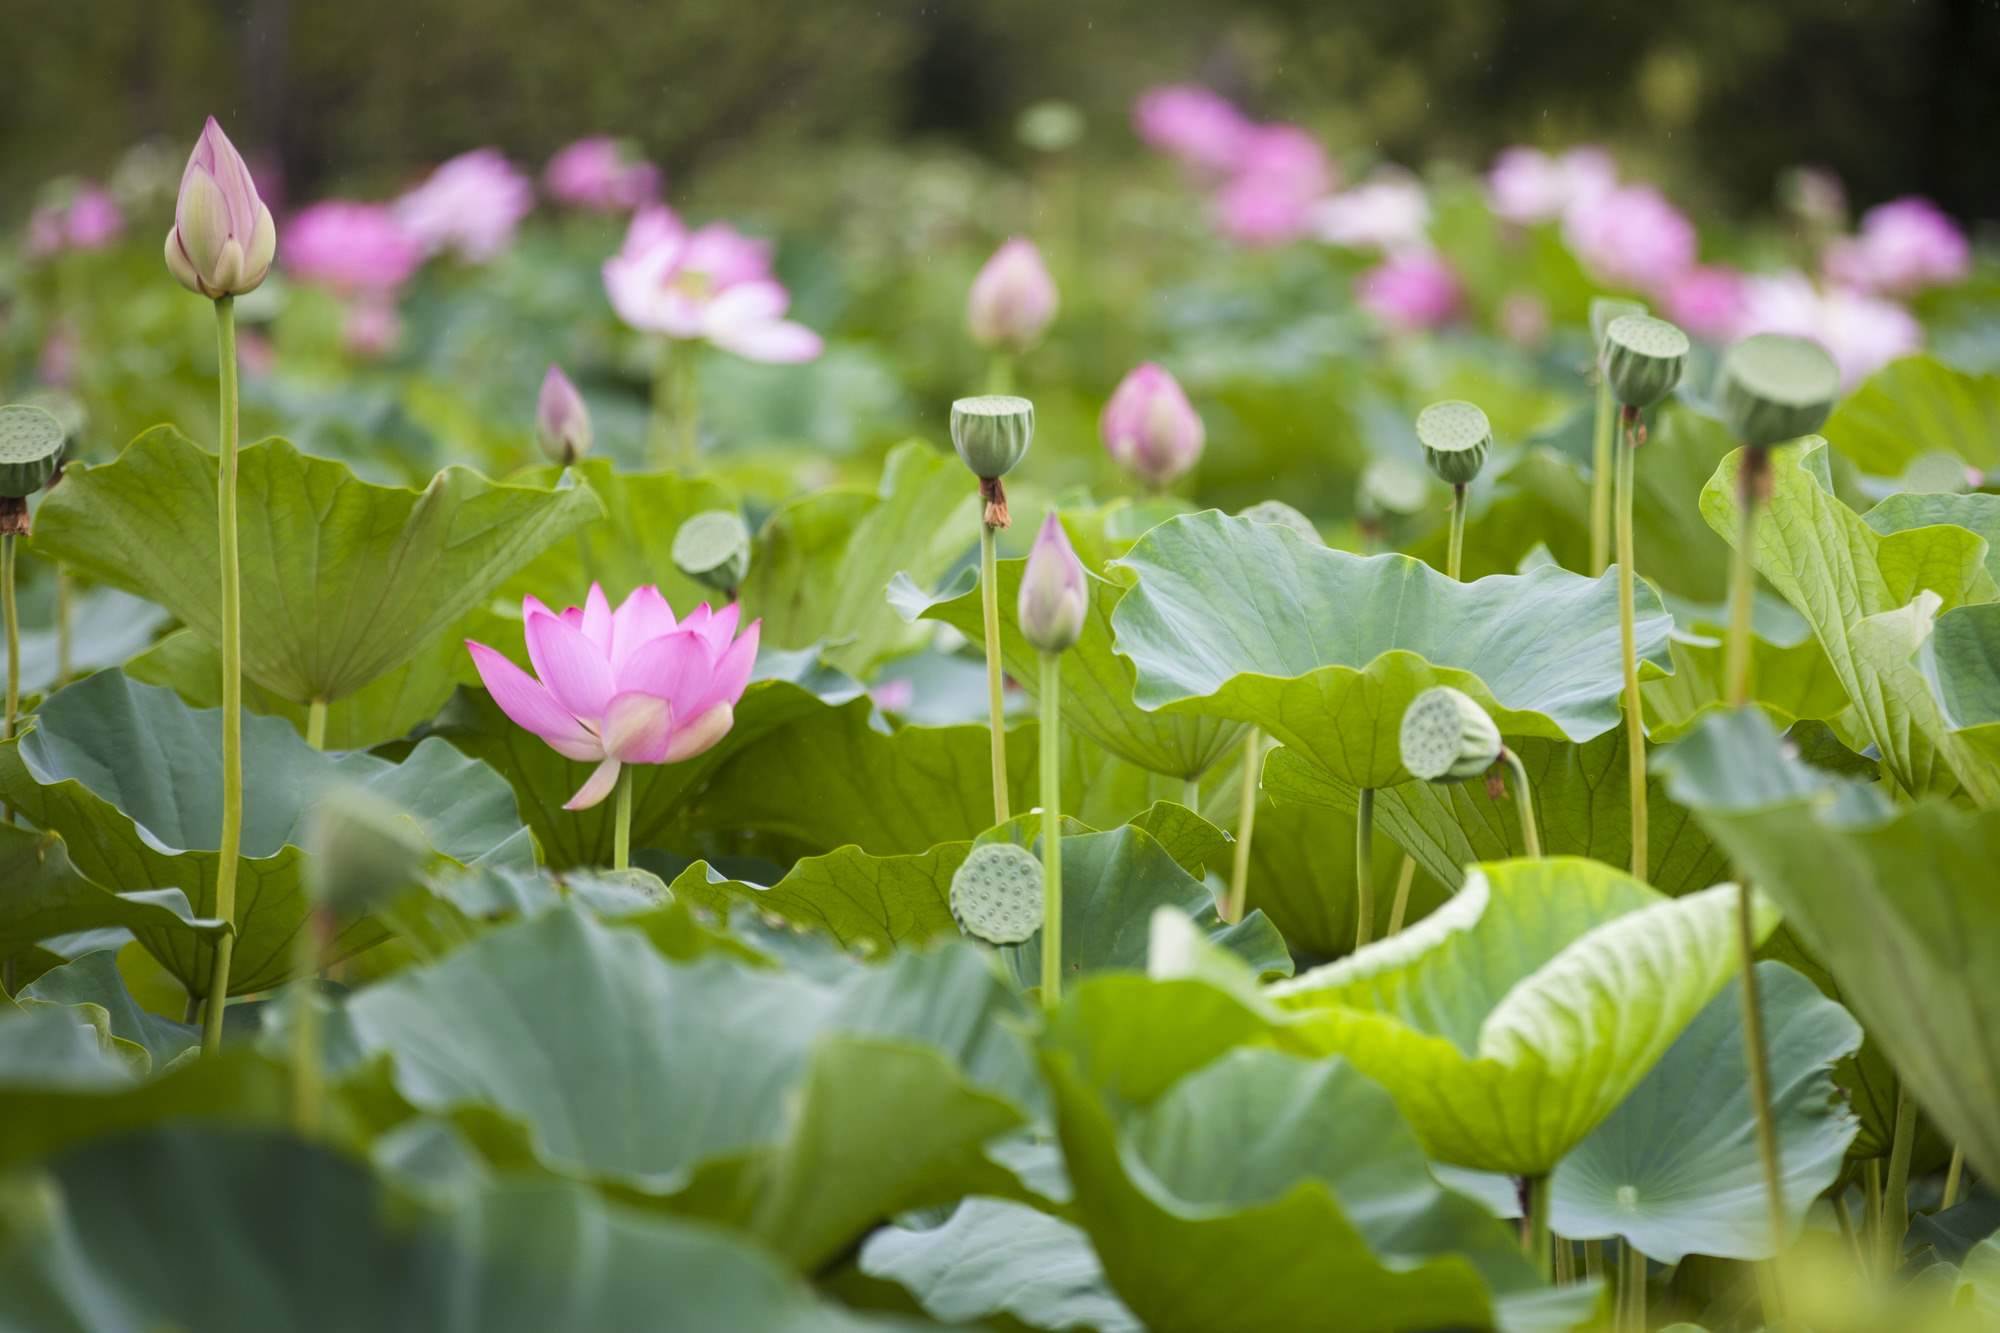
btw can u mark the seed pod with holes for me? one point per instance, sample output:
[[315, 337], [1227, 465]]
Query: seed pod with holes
[[1447, 737], [1775, 387], [996, 895], [1456, 437], [1643, 358]]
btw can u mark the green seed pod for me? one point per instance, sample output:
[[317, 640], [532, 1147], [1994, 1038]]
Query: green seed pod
[[1604, 310], [1456, 437], [1643, 358], [31, 449], [361, 850], [996, 895], [1390, 486], [1446, 737], [1774, 387], [992, 433], [713, 549], [1281, 515]]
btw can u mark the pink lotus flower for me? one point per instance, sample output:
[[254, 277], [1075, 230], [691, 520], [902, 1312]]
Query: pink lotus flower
[[470, 204], [603, 174], [631, 686], [1864, 333], [1012, 299], [55, 365], [94, 219], [351, 247], [1389, 211], [223, 239], [1524, 319], [1413, 290], [1279, 176], [1631, 237], [1202, 129], [1707, 301], [562, 419], [1149, 426], [1903, 247], [713, 283], [1526, 185], [371, 328]]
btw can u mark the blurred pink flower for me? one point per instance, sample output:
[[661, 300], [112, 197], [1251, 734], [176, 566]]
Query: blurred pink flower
[[1149, 426], [1389, 211], [94, 219], [894, 696], [1524, 319], [1815, 197], [631, 686], [1707, 301], [470, 204], [713, 283], [1630, 237], [351, 247], [1280, 173], [603, 174], [1202, 129], [1013, 298], [1526, 185], [1903, 247], [371, 328], [255, 353], [46, 232], [56, 364], [1864, 333], [1412, 290]]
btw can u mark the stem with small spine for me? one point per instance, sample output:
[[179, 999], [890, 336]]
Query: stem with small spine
[[1635, 724], [1535, 1237], [1743, 577], [1756, 1055], [1246, 824], [1405, 878], [13, 617], [1052, 905], [232, 680], [1364, 869], [1454, 551], [1602, 442], [1524, 796], [1191, 794], [64, 648], [621, 822], [989, 605], [1632, 1287], [1954, 1175], [316, 724]]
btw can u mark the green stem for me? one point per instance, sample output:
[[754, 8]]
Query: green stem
[[621, 822], [232, 679], [1602, 440], [1524, 796], [1871, 1184], [1896, 1197], [1633, 1287], [1593, 1259], [13, 616], [308, 1080], [1635, 725], [1246, 823], [687, 407], [1405, 878], [1743, 578], [1565, 1258], [1052, 904], [1757, 1054], [1191, 794], [989, 605], [660, 423], [64, 650], [1454, 559], [316, 724], [1954, 1175], [1535, 1239], [1845, 1219], [1000, 374], [1364, 869]]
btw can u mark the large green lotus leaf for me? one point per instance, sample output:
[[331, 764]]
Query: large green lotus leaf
[[46, 896], [1582, 805], [342, 580], [1938, 670], [1978, 513], [821, 565], [142, 1231], [94, 979], [1790, 682], [1838, 572], [129, 775], [107, 625], [1917, 406], [1097, 682], [1325, 650], [632, 544], [1897, 903], [762, 1091], [1510, 1022], [51, 1047]]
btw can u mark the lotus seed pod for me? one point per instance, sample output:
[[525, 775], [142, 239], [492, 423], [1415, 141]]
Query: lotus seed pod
[[713, 549], [1281, 515], [361, 850], [1456, 437], [1643, 358], [1390, 486], [996, 895], [31, 449], [992, 433], [1447, 737], [1775, 387], [1604, 310]]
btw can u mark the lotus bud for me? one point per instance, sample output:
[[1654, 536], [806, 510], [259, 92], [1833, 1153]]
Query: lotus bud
[[1150, 428], [361, 850], [1456, 437], [996, 894], [1013, 298], [223, 240], [1643, 358], [992, 433], [31, 454], [1446, 737], [562, 420], [1053, 596], [1775, 387], [1604, 311], [1281, 515], [713, 549]]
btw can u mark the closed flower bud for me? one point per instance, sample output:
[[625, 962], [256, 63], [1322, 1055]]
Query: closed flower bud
[[1446, 737], [562, 421], [1150, 427], [361, 850], [992, 433], [1053, 596], [1775, 387], [1013, 298], [713, 549], [223, 239], [1456, 437], [1643, 358]]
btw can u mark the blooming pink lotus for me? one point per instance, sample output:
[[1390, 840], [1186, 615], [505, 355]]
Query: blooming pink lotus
[[1201, 128], [710, 283], [1864, 333], [1631, 237], [1389, 212], [1903, 247], [351, 247], [630, 686], [1413, 290], [1279, 175], [1526, 185], [470, 204], [602, 174], [1707, 301]]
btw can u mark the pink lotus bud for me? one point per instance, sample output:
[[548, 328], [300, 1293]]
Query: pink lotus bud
[[1150, 427], [223, 239], [1053, 596], [1013, 298], [562, 421]]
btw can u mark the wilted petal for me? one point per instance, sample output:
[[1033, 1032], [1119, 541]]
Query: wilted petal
[[574, 669], [522, 698]]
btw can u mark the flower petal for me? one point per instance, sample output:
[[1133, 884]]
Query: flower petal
[[573, 668], [522, 698], [721, 628], [639, 619], [732, 669], [597, 619], [637, 727], [596, 787], [674, 666], [779, 342], [702, 734]]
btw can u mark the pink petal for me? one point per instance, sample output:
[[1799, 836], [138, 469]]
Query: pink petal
[[732, 670], [637, 727], [522, 698], [701, 734], [698, 617], [780, 342], [574, 669], [596, 787], [721, 628], [747, 303], [641, 618], [597, 619], [674, 666]]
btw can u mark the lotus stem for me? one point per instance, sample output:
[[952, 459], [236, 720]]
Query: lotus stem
[[1000, 374], [1246, 824], [1756, 1054], [1052, 905], [1405, 878], [64, 646], [1601, 466], [1635, 724], [1535, 1238], [1364, 869], [1845, 1220], [687, 407], [1593, 1259], [1896, 1195], [1953, 1177], [1742, 575], [1565, 1261], [1454, 554], [316, 724], [308, 1080], [621, 822], [1191, 794], [13, 616], [1524, 796], [1632, 1287], [1871, 1178], [989, 603], [232, 680]]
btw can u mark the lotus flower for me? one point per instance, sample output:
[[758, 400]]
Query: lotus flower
[[1707, 301], [1413, 290], [470, 204], [631, 686], [602, 174], [1053, 599], [712, 283], [1203, 129], [223, 239], [562, 421], [1631, 236], [1904, 246], [1012, 299], [1527, 185], [93, 219], [1388, 212], [1149, 426], [351, 247], [1864, 333], [1278, 178], [371, 328]]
